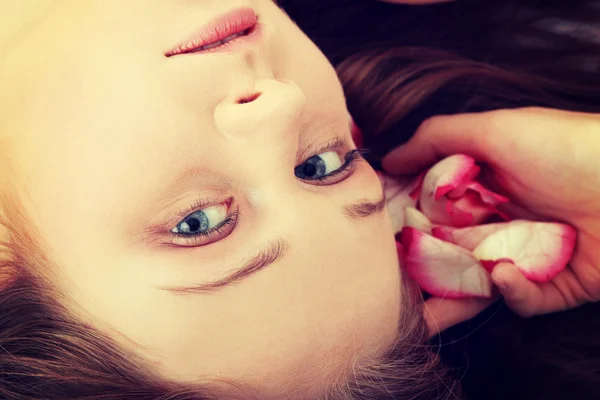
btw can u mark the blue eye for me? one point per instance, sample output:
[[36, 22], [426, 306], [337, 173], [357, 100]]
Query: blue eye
[[319, 166], [202, 222], [205, 226], [325, 166]]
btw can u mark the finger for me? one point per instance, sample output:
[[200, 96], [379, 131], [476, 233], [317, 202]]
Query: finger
[[441, 136], [441, 314], [524, 297], [484, 136]]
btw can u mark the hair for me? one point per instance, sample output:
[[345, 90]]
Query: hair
[[399, 65], [403, 64]]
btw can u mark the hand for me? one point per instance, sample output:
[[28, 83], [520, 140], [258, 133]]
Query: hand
[[548, 163]]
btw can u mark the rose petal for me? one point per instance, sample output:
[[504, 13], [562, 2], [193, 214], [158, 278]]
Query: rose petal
[[443, 269], [470, 210], [469, 238], [397, 194], [487, 196], [450, 174], [414, 218], [540, 250], [483, 203], [451, 197]]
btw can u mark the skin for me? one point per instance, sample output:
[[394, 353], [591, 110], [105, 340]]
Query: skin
[[116, 142]]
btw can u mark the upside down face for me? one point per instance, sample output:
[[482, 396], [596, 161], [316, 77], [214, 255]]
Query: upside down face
[[205, 205]]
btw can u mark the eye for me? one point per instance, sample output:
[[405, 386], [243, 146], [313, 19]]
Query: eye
[[319, 166], [328, 166], [206, 225], [202, 221]]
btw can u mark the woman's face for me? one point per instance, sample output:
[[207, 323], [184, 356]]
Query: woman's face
[[167, 192]]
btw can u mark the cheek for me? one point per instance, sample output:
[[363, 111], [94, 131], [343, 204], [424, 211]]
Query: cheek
[[352, 266], [299, 60], [335, 296]]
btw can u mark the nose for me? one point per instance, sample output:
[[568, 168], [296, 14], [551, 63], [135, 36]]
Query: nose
[[271, 108]]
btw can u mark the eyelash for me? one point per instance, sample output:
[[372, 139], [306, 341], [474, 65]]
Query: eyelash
[[205, 238]]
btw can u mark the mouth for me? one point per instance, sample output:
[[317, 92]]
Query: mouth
[[220, 43], [222, 34]]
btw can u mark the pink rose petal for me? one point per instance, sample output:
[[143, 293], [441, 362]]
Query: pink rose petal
[[470, 205], [446, 254], [414, 218], [450, 196], [447, 175], [481, 202], [540, 250], [469, 238], [397, 194], [487, 196], [443, 269]]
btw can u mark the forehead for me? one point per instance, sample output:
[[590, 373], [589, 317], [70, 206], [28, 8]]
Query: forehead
[[15, 16]]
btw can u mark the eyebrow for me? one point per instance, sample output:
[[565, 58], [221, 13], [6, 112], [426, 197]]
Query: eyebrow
[[270, 254], [276, 251], [365, 208]]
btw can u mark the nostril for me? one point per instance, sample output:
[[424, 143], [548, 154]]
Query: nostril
[[249, 99]]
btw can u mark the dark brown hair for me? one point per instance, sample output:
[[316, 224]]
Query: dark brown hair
[[403, 64]]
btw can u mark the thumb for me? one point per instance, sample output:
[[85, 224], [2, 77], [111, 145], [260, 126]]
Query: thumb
[[524, 297], [441, 314], [439, 137]]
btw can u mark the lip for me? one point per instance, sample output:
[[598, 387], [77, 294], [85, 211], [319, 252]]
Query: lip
[[242, 20]]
